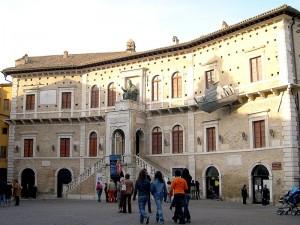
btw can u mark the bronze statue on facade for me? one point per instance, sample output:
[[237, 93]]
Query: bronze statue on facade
[[131, 92]]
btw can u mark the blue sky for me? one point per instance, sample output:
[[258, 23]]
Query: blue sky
[[46, 27]]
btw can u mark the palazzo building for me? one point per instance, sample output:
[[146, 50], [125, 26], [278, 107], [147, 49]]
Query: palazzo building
[[224, 105]]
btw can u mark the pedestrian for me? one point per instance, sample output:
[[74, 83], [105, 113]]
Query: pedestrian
[[188, 178], [244, 194], [265, 196], [106, 192], [169, 191], [128, 193], [2, 193], [99, 189], [121, 188], [8, 193], [142, 188], [193, 190], [178, 188], [149, 201], [111, 188], [159, 192], [197, 184], [17, 192]]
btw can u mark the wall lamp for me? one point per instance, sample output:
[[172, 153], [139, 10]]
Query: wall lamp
[[17, 149], [244, 136], [272, 133], [52, 148], [198, 140], [37, 148], [221, 139], [75, 148], [166, 143]]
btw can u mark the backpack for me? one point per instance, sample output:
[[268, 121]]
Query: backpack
[[99, 186], [123, 186]]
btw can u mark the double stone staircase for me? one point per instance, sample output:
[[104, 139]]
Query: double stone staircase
[[100, 166]]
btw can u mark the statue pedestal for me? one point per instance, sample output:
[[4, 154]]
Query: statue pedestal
[[128, 104]]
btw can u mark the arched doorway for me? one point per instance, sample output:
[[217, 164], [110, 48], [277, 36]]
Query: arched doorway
[[212, 183], [138, 142], [28, 183], [260, 177], [3, 174], [118, 142], [64, 176]]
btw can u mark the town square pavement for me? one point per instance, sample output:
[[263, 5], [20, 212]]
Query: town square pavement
[[88, 212]]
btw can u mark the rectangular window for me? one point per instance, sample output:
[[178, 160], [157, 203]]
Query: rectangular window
[[65, 147], [211, 139], [30, 102], [209, 78], [255, 69], [66, 100], [6, 104], [28, 147], [3, 152], [259, 136], [4, 130]]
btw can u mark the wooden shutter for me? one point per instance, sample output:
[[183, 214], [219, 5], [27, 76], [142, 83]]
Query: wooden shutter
[[179, 86], [28, 147], [66, 100], [64, 147], [93, 145], [177, 139], [95, 97], [155, 88], [259, 134], [111, 95], [255, 69], [154, 143], [175, 142], [30, 102], [159, 143], [211, 139]]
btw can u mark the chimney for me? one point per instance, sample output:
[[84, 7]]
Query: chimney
[[22, 61], [175, 40], [224, 25], [130, 46], [66, 54]]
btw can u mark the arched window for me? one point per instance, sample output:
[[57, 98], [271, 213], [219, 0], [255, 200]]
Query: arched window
[[94, 97], [156, 85], [93, 145], [156, 141], [177, 139], [111, 101], [176, 85]]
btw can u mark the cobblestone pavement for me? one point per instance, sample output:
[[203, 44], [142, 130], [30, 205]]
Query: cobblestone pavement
[[86, 212]]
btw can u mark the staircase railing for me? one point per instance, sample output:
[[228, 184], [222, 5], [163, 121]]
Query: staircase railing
[[151, 169], [84, 175]]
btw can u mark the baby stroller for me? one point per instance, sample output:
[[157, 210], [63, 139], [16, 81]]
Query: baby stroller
[[290, 203]]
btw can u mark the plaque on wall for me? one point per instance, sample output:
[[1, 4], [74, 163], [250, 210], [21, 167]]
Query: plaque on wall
[[276, 166]]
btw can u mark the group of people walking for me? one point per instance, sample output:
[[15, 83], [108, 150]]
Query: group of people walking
[[265, 193], [7, 191], [177, 193]]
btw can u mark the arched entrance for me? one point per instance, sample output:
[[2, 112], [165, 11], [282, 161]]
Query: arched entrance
[[260, 177], [138, 141], [118, 142], [212, 183], [64, 176], [28, 183]]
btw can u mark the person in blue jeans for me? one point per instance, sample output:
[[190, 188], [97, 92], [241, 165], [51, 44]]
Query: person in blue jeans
[[159, 192], [188, 178], [142, 188]]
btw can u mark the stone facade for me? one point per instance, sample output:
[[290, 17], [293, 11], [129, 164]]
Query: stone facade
[[273, 99]]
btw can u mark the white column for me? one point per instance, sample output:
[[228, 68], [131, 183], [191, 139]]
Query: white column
[[82, 146], [83, 94], [10, 153], [14, 99]]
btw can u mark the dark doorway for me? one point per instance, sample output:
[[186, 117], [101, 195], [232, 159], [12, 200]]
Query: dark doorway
[[260, 176], [138, 137], [28, 183], [64, 176], [3, 174], [212, 183]]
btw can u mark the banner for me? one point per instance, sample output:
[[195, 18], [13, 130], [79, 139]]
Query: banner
[[114, 161]]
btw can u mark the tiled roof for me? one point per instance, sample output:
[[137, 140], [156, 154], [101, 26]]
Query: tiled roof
[[74, 61]]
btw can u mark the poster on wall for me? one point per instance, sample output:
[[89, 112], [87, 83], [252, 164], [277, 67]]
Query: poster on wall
[[114, 161]]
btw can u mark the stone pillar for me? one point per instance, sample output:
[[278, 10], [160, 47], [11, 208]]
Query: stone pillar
[[83, 94], [10, 152], [290, 135], [82, 146], [191, 144]]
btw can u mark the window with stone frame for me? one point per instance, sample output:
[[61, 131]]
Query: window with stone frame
[[156, 85], [209, 78], [177, 139], [259, 137], [255, 69], [64, 147], [3, 152], [111, 95], [4, 130], [211, 139], [6, 104], [66, 100], [93, 144], [176, 85], [28, 147], [30, 102], [94, 97], [156, 141]]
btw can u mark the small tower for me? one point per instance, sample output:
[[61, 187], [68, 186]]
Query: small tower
[[130, 46]]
